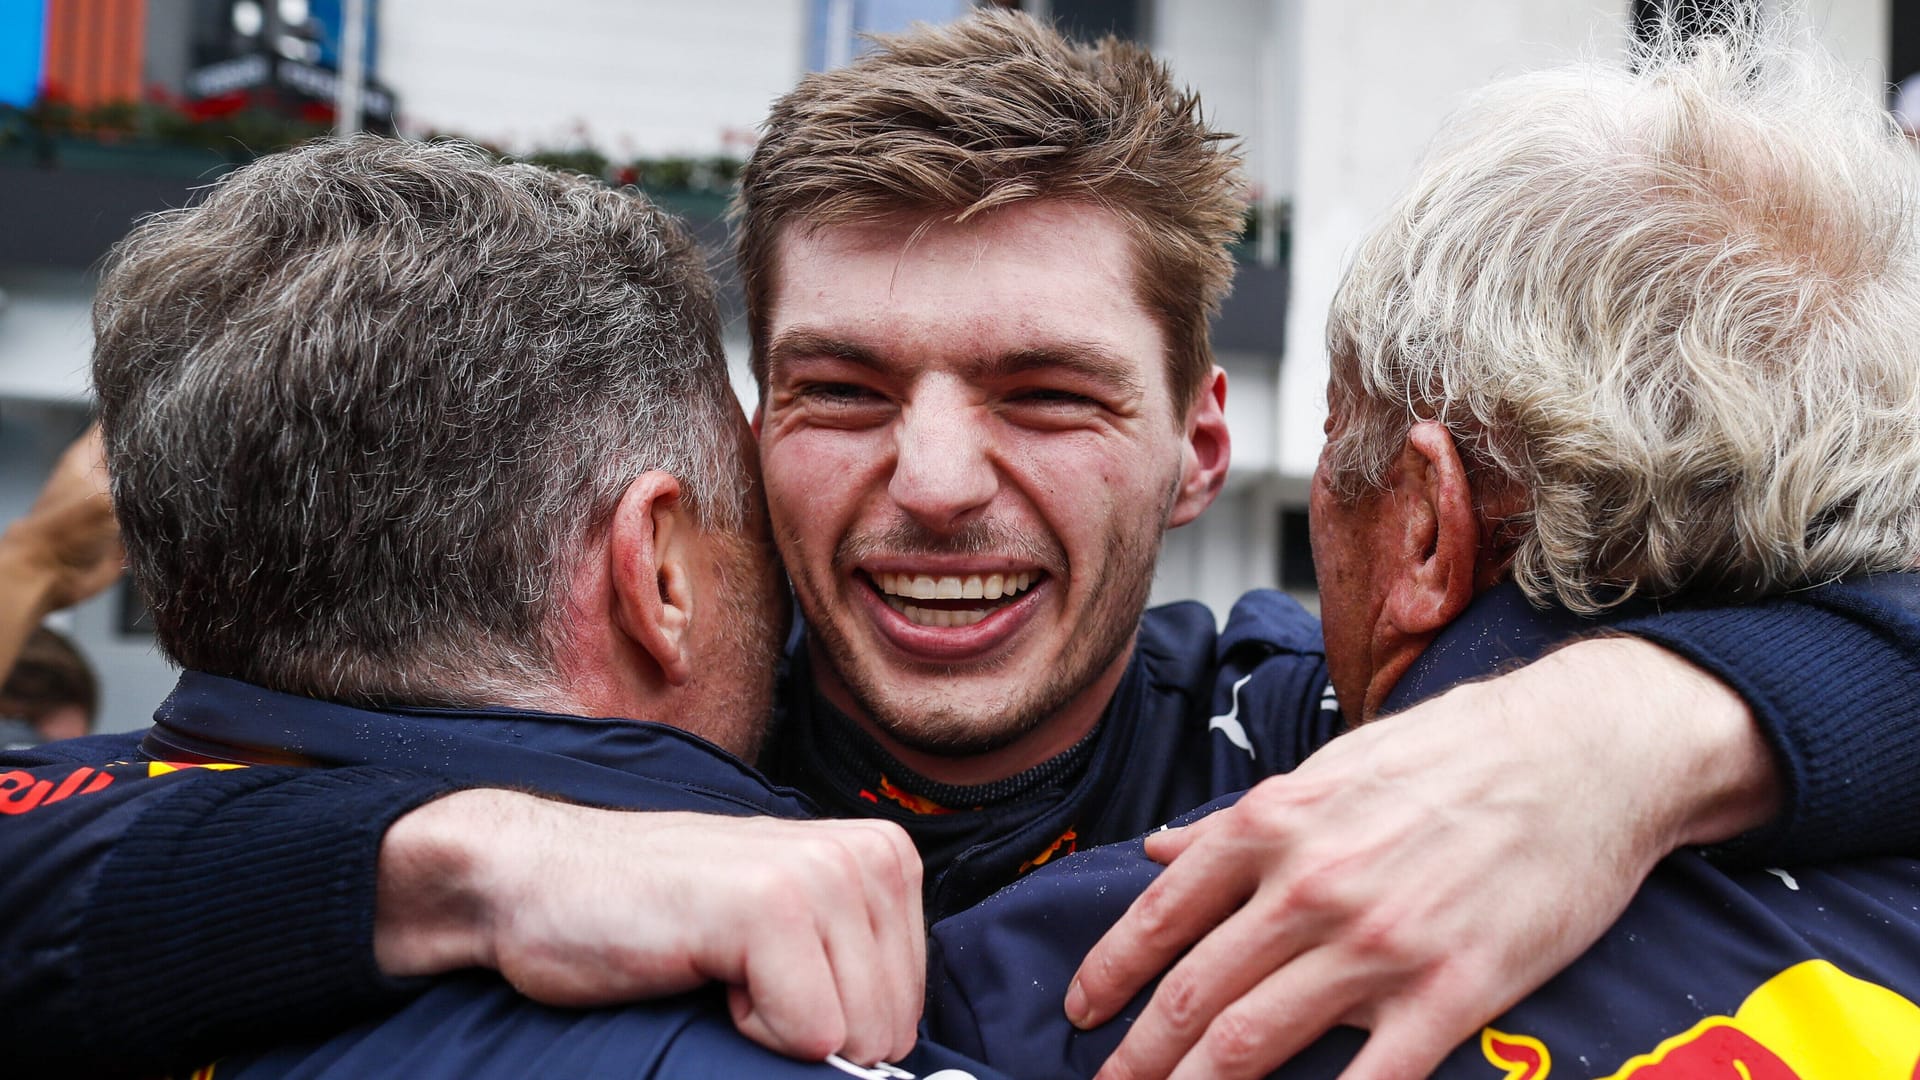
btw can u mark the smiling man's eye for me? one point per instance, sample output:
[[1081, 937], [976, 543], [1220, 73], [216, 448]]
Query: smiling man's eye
[[1053, 397], [837, 393]]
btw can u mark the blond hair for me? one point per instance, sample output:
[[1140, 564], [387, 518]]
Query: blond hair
[[1675, 306], [993, 110]]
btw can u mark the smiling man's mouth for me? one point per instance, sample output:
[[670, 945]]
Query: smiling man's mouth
[[944, 601]]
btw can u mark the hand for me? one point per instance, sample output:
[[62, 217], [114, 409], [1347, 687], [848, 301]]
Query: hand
[[1421, 874], [814, 926], [69, 543]]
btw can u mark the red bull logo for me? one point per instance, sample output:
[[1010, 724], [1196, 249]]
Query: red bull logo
[[22, 791], [914, 803], [1065, 845], [1810, 1022]]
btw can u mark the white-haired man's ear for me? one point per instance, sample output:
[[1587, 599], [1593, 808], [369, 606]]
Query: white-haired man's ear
[[1436, 533]]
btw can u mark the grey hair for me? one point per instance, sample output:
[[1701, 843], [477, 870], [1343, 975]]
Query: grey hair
[[1675, 307], [364, 404]]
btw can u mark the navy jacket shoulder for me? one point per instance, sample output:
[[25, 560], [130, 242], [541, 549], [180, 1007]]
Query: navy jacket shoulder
[[1699, 950], [1214, 712], [475, 1027]]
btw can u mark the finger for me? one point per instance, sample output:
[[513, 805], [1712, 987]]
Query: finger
[[790, 1003], [1167, 845], [1272, 1022], [912, 931], [892, 880], [1226, 964], [1185, 902], [1398, 1050], [846, 921]]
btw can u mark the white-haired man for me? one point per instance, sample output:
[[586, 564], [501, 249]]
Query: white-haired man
[[1633, 339]]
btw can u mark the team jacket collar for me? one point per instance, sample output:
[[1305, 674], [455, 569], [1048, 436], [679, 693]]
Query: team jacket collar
[[1501, 629], [627, 763]]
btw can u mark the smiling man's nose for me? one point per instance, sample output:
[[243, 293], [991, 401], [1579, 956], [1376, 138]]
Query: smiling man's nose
[[943, 472]]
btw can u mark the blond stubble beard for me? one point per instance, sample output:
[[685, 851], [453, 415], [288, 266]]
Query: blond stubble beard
[[935, 725]]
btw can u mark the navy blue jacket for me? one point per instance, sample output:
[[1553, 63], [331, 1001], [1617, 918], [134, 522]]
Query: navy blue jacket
[[1778, 970], [137, 917], [475, 1025]]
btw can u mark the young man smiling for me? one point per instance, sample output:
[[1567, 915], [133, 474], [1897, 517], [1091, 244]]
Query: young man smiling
[[980, 264], [945, 413]]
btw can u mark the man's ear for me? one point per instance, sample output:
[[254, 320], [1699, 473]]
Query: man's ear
[[1436, 531], [1208, 449], [759, 412], [652, 538]]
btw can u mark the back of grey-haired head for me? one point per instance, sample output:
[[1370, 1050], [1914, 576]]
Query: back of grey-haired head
[[1672, 306], [364, 403]]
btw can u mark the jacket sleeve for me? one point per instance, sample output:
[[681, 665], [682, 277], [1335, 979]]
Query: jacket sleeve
[[153, 915], [474, 1026], [1832, 676]]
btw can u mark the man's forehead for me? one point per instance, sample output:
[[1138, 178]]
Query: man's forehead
[[1025, 287], [1025, 222]]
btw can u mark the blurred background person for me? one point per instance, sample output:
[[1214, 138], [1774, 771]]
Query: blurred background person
[[64, 550], [50, 694]]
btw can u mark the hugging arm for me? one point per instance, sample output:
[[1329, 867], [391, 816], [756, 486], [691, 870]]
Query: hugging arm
[[155, 916], [160, 920], [1422, 873], [1447, 859]]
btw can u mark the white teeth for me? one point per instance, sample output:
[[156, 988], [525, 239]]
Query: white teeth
[[898, 589], [972, 587]]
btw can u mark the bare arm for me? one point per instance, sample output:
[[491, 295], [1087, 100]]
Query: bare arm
[[66, 549]]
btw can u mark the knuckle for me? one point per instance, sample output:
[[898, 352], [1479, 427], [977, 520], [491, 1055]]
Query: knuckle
[[1153, 915], [1182, 998], [797, 874], [847, 864], [1326, 887], [1236, 1043], [784, 919], [1383, 940]]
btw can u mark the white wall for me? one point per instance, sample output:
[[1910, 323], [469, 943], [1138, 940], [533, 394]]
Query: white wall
[[1376, 79], [630, 77], [46, 338], [1857, 31], [1235, 53]]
